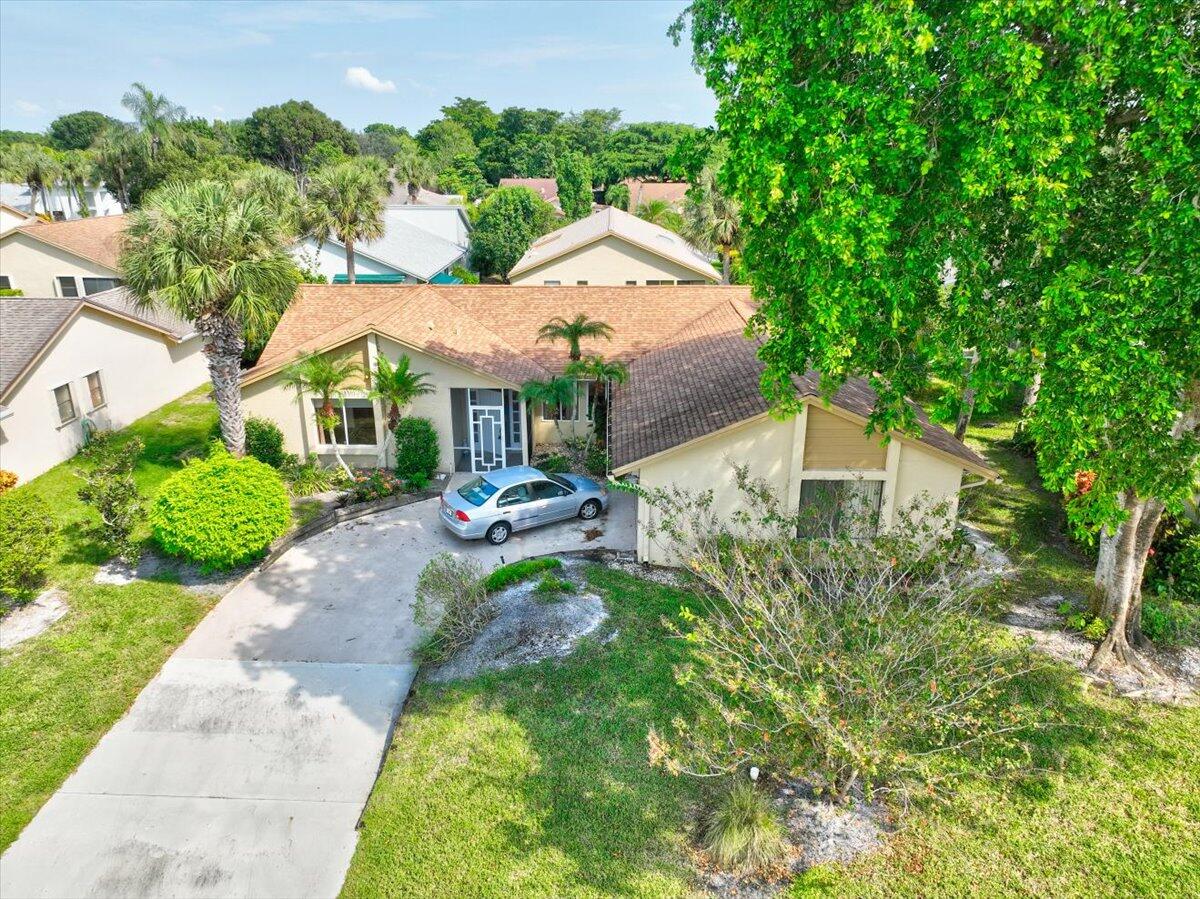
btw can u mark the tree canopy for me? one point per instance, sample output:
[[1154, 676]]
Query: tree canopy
[[508, 221], [286, 134], [78, 130]]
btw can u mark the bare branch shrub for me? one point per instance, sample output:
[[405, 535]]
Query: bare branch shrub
[[848, 659], [451, 599]]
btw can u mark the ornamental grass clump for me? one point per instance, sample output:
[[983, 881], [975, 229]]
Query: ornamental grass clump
[[858, 662], [452, 601], [742, 831], [220, 512]]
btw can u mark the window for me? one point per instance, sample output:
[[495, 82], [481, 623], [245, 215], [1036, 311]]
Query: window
[[67, 286], [567, 486], [514, 496], [697, 281], [477, 491], [357, 425], [631, 283], [832, 507], [66, 405], [659, 283], [566, 412], [95, 390], [552, 283], [581, 283], [548, 490], [96, 285], [5, 282]]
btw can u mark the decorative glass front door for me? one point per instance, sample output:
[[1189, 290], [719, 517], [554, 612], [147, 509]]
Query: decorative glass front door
[[487, 429]]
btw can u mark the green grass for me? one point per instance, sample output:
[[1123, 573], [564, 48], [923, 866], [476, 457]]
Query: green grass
[[507, 575], [535, 782], [61, 691]]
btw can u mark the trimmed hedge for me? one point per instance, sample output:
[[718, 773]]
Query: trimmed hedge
[[417, 453], [29, 543], [264, 441], [221, 511]]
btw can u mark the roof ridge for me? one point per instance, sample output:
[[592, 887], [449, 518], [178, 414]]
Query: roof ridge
[[449, 301]]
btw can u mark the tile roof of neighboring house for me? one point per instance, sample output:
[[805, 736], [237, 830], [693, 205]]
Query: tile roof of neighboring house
[[615, 222], [27, 324], [410, 249], [546, 188], [97, 239], [692, 369], [640, 191]]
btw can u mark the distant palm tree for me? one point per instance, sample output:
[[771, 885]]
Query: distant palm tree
[[153, 113], [711, 220], [78, 170], [348, 198], [327, 377], [277, 190], [553, 394], [215, 257], [33, 166], [397, 385], [574, 331], [118, 149], [415, 170], [661, 213]]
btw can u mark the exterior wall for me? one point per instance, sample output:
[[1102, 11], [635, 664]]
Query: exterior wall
[[34, 266], [10, 219], [140, 370], [832, 442], [269, 399], [545, 432], [99, 200], [922, 477], [609, 261], [330, 260]]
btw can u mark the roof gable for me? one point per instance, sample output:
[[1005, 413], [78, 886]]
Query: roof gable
[[96, 239]]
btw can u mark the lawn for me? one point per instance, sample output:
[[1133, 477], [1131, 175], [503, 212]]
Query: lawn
[[61, 691], [535, 782]]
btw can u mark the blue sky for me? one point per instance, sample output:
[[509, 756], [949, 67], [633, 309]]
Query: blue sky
[[360, 62]]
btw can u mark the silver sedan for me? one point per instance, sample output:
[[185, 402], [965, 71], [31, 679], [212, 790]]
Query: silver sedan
[[513, 499]]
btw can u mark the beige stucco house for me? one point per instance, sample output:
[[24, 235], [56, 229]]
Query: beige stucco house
[[691, 409], [612, 247], [67, 259], [67, 365]]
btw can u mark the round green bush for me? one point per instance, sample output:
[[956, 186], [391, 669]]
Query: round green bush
[[417, 452], [220, 511], [30, 541], [264, 441]]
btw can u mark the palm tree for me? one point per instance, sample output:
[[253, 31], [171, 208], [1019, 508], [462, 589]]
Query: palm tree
[[574, 331], [415, 170], [35, 167], [327, 377], [558, 391], [217, 258], [154, 114], [397, 385], [349, 197], [711, 220], [277, 189], [118, 149], [661, 213], [78, 171], [604, 373]]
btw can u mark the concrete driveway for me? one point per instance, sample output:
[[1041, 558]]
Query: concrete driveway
[[243, 766]]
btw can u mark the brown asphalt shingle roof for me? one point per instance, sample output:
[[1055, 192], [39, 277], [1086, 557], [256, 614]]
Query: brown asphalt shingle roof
[[97, 238], [692, 369], [640, 192]]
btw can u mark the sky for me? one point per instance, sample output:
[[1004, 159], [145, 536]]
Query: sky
[[360, 62]]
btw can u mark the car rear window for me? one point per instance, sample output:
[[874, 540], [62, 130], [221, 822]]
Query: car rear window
[[477, 492], [562, 482]]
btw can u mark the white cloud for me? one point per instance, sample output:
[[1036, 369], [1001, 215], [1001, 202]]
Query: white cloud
[[361, 77], [26, 108]]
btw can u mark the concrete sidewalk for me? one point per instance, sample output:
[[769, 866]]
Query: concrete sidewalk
[[242, 768]]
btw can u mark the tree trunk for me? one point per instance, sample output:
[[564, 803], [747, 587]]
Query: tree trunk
[[966, 406], [724, 265], [32, 197], [46, 201], [1032, 391], [350, 261], [414, 191], [223, 345]]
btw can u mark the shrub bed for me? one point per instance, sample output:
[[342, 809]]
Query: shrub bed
[[221, 511], [417, 453], [29, 544]]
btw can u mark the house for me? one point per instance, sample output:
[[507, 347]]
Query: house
[[10, 217], [546, 188], [70, 365], [64, 204], [612, 247], [670, 192], [692, 402], [66, 259], [419, 244], [401, 197]]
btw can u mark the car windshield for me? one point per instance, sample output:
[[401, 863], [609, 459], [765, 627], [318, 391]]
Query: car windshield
[[562, 482], [477, 492]]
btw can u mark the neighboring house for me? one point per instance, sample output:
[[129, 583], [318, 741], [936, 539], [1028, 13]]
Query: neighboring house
[[546, 188], [11, 217], [64, 204], [691, 408], [641, 192], [419, 244], [612, 247], [67, 365], [62, 259], [401, 197]]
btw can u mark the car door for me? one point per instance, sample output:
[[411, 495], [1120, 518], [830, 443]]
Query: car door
[[516, 506], [556, 501]]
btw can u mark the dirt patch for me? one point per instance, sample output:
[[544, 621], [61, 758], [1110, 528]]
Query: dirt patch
[[592, 534], [153, 567], [27, 621]]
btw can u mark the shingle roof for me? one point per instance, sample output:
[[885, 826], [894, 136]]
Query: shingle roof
[[640, 192], [97, 239], [546, 188], [400, 197], [615, 222], [410, 249]]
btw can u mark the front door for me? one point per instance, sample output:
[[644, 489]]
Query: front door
[[487, 430]]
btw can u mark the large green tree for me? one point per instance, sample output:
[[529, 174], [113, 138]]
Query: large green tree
[[474, 115], [443, 139], [78, 130], [1015, 178], [286, 134], [575, 185], [215, 256], [508, 222]]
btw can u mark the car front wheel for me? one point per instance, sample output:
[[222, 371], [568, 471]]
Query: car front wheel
[[589, 510], [498, 533]]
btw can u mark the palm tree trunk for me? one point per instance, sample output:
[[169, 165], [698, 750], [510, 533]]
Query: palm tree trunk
[[724, 265], [46, 199], [223, 345], [350, 261]]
